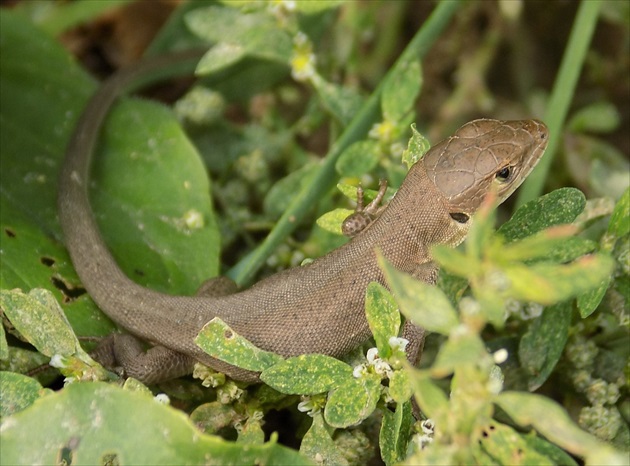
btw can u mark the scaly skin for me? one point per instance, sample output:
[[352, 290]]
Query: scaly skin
[[317, 308]]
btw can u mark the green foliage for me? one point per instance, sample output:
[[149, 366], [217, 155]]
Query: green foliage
[[281, 82]]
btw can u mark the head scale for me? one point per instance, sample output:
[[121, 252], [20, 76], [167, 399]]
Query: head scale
[[483, 155]]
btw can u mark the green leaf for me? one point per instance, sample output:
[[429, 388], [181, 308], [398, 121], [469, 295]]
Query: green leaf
[[307, 374], [400, 386], [556, 208], [542, 446], [316, 6], [424, 304], [431, 398], [401, 90], [279, 196], [18, 392], [551, 283], [221, 342], [552, 421], [459, 350], [358, 159], [319, 446], [353, 401], [333, 220], [39, 318], [588, 301], [552, 244], [162, 231], [55, 18], [416, 148], [220, 56], [382, 316], [395, 433], [599, 117], [343, 103], [619, 224], [455, 261], [542, 345], [506, 446], [254, 33], [88, 412]]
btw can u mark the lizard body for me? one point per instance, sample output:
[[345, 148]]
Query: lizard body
[[316, 308]]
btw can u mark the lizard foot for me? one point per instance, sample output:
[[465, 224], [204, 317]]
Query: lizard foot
[[363, 215]]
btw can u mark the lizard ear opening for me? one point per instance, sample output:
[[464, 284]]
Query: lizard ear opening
[[460, 217]]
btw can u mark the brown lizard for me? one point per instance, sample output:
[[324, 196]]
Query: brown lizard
[[316, 308]]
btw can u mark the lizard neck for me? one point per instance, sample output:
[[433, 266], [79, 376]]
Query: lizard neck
[[418, 217]]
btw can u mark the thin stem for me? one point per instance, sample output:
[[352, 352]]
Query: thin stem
[[562, 95]]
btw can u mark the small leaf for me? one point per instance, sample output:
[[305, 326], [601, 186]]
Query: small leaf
[[401, 90], [18, 392], [556, 208], [317, 6], [619, 224], [255, 32], [400, 386], [424, 304], [543, 343], [599, 117], [416, 148], [341, 102], [552, 421], [431, 398], [542, 446], [551, 283], [307, 374], [319, 446], [219, 341], [395, 433], [459, 350], [333, 220], [506, 446], [456, 262], [553, 244], [358, 159], [588, 301], [39, 318], [382, 316], [218, 57], [353, 401]]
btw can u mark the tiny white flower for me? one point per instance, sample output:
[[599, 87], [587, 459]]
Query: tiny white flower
[[500, 356], [359, 371], [398, 343], [162, 398], [382, 368], [308, 406], [372, 355], [57, 361]]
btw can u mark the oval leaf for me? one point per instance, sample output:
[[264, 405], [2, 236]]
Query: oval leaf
[[353, 401], [382, 316], [424, 304], [220, 341], [307, 374]]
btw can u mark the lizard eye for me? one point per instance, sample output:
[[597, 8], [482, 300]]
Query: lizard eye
[[504, 174], [459, 217]]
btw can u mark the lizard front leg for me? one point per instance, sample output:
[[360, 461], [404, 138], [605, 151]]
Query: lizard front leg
[[363, 216]]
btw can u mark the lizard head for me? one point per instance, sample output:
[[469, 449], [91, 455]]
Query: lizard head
[[481, 156]]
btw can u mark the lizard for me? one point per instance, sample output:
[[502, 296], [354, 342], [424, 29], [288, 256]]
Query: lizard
[[315, 308]]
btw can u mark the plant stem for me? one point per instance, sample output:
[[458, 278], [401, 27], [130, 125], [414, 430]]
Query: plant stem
[[562, 95]]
